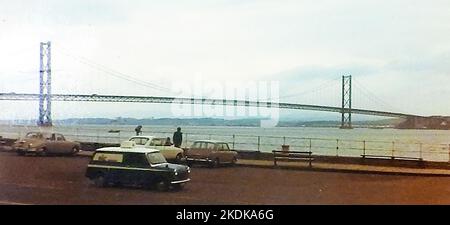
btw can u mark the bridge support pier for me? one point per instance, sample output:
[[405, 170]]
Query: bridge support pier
[[45, 86], [346, 110]]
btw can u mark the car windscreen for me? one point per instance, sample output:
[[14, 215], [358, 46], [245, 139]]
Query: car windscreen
[[156, 158], [139, 140], [33, 135]]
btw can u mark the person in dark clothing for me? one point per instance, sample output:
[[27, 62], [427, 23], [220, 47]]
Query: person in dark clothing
[[177, 137], [138, 130]]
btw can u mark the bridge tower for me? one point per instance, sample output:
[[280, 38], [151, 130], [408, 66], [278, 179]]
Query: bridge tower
[[45, 85], [346, 111]]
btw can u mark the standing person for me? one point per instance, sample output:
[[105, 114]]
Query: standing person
[[138, 130], [177, 137]]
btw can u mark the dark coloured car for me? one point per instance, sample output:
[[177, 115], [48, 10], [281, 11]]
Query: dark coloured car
[[137, 167]]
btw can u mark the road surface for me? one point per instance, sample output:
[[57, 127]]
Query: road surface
[[60, 180]]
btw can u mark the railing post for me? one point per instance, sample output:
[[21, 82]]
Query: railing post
[[448, 152], [420, 150], [337, 147], [98, 136], [233, 140], [310, 144], [393, 148], [259, 142], [284, 140], [186, 140], [364, 148]]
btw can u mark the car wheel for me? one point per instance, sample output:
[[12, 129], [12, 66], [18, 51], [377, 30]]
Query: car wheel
[[20, 153], [162, 185], [178, 158], [75, 150], [233, 162], [215, 163], [42, 152], [100, 181], [178, 187]]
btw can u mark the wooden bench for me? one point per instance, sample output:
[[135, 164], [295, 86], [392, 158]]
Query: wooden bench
[[292, 156], [419, 160]]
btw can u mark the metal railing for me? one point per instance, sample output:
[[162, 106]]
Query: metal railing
[[266, 143]]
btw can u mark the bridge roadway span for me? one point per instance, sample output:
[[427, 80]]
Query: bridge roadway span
[[178, 100]]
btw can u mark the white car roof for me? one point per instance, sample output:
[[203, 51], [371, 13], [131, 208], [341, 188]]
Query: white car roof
[[133, 150], [211, 141], [149, 137]]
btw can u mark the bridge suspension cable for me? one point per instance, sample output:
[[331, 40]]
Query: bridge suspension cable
[[108, 71], [365, 92]]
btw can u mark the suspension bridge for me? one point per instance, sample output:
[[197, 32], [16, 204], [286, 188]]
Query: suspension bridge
[[45, 98]]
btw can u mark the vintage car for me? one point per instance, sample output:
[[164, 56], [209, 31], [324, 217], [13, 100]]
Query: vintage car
[[135, 166], [211, 152], [170, 152], [40, 143]]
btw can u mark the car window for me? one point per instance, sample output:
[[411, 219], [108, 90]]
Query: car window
[[157, 142], [33, 135], [156, 158], [197, 145], [223, 147], [135, 159], [210, 146], [139, 140], [107, 157], [59, 137]]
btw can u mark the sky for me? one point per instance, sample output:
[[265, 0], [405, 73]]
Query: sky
[[397, 51]]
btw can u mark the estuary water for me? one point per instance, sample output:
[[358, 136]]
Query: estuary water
[[433, 145]]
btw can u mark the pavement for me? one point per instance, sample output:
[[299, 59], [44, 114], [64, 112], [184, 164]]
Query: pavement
[[334, 167], [61, 180]]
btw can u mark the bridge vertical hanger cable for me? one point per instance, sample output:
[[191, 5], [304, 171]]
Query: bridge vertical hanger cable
[[372, 98]]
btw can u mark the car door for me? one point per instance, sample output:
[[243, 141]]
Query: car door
[[136, 168], [221, 152], [227, 153], [210, 151], [50, 143], [195, 151], [62, 145]]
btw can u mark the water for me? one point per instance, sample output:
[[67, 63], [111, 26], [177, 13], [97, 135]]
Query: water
[[433, 145]]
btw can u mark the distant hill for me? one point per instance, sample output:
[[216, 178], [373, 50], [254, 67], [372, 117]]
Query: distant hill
[[222, 122]]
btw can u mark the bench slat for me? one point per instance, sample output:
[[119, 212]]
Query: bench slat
[[391, 157]]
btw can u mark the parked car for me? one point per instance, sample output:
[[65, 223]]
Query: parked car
[[170, 152], [40, 143], [211, 152], [135, 166]]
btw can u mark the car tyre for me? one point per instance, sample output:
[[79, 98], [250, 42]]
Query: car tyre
[[100, 181], [178, 187], [75, 150], [178, 158], [162, 185], [20, 153], [42, 152], [215, 163], [233, 162]]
